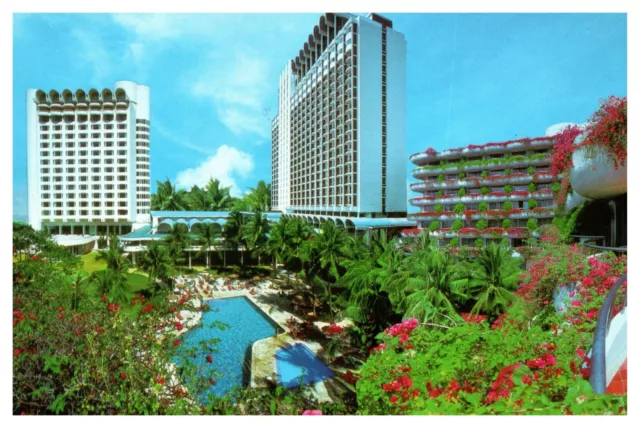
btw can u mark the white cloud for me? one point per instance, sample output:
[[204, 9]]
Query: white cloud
[[157, 126], [93, 52], [227, 165], [237, 86]]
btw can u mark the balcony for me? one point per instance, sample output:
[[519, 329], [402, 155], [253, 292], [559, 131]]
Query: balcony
[[477, 197], [515, 213], [595, 177], [496, 164]]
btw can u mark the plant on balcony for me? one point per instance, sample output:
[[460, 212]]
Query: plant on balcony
[[467, 231], [457, 225], [437, 208], [430, 152], [484, 174], [441, 178], [506, 223], [469, 213], [507, 171], [459, 209], [440, 193], [434, 225], [532, 203], [454, 242], [484, 190], [531, 170], [505, 242], [555, 187], [507, 205], [462, 192], [532, 187], [508, 189], [532, 224], [483, 206], [461, 175], [478, 243], [482, 224]]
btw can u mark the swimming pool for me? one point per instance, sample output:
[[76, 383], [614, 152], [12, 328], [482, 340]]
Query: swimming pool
[[297, 364], [231, 355]]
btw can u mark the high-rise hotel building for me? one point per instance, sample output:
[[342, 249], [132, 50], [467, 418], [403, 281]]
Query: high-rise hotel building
[[88, 156], [339, 137]]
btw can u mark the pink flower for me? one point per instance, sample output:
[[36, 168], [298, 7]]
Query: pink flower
[[576, 303], [410, 324], [406, 381], [312, 413], [403, 338]]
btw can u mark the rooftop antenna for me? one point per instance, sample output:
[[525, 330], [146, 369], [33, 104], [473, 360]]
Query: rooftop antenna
[[453, 66]]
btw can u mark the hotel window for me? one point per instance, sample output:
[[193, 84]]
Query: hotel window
[[44, 153], [95, 144], [71, 161], [44, 170]]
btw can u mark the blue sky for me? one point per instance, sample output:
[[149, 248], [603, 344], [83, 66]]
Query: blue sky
[[471, 79]]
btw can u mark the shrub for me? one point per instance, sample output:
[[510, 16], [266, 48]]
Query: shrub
[[506, 223], [484, 174], [508, 189], [482, 224], [459, 209], [531, 170], [461, 175], [440, 193], [478, 243], [555, 187], [507, 205], [437, 208], [454, 242], [484, 190], [483, 206], [441, 178], [457, 225], [462, 191], [532, 224], [434, 225], [532, 187], [532, 203], [102, 242]]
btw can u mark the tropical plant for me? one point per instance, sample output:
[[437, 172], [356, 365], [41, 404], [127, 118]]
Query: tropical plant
[[157, 262], [210, 236], [235, 232], [434, 225], [113, 256], [493, 278], [256, 232], [167, 197], [260, 197], [220, 197], [178, 240]]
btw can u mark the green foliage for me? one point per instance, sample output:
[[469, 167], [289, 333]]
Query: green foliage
[[555, 187], [532, 203], [507, 205], [508, 188], [484, 190], [566, 223], [437, 208], [532, 187], [457, 225], [484, 174], [531, 170], [459, 208], [102, 242], [454, 242], [434, 225], [440, 193], [478, 243], [507, 171], [484, 162], [482, 224], [462, 191], [441, 178], [483, 206], [462, 175], [506, 223], [532, 224]]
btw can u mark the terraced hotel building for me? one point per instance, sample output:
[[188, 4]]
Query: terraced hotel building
[[88, 160], [338, 141], [492, 192]]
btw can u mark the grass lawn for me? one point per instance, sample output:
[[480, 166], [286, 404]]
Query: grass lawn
[[90, 264]]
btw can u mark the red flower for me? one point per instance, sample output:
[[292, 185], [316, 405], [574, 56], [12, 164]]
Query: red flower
[[209, 359], [178, 325], [123, 375], [176, 342], [405, 381], [159, 380], [393, 399], [104, 298], [60, 315], [416, 392], [335, 329], [77, 332], [403, 338], [349, 377], [212, 381], [312, 413], [147, 308]]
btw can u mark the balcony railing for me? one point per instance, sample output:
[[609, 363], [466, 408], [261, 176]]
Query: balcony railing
[[477, 197], [489, 164], [515, 213]]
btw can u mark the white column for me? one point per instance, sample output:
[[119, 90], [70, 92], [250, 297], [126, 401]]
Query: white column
[[189, 259]]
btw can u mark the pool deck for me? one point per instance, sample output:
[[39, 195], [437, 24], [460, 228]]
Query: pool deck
[[263, 352]]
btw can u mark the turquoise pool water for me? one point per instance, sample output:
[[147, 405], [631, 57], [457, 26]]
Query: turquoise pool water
[[297, 364], [231, 355]]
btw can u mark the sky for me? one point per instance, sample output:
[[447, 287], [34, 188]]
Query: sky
[[213, 78]]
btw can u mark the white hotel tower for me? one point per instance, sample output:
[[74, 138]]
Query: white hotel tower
[[88, 160], [338, 145]]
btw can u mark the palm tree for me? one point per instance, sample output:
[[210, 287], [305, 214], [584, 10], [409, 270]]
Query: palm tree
[[112, 255], [178, 239], [235, 231], [220, 197], [427, 285], [198, 199], [260, 197], [106, 279], [167, 197], [256, 233], [494, 277], [277, 242], [157, 262], [330, 244], [209, 236]]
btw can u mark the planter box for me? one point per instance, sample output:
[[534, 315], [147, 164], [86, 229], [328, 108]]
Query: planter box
[[595, 177]]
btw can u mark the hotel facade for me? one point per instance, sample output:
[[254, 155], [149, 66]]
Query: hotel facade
[[480, 193], [88, 160], [338, 141]]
